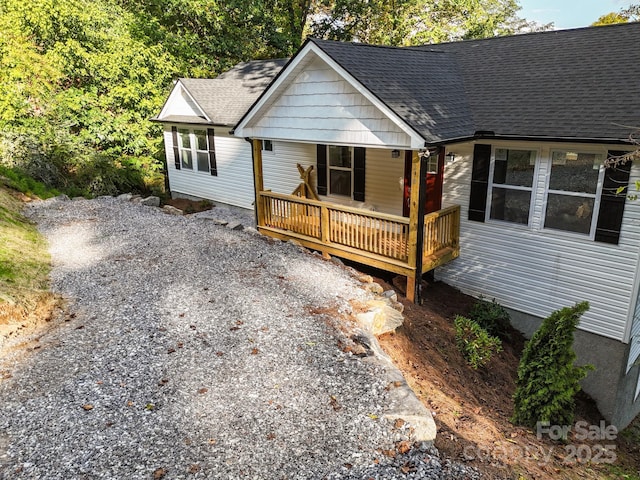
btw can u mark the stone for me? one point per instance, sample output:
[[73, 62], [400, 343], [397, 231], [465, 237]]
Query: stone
[[235, 226], [337, 261], [77, 199], [365, 279], [62, 198], [380, 318], [125, 197], [171, 210], [390, 294], [151, 201]]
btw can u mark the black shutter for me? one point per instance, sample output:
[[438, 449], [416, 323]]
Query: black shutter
[[358, 174], [611, 202], [213, 167], [479, 182], [321, 166], [176, 150]]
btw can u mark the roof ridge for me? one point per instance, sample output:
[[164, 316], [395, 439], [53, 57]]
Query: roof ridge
[[406, 48]]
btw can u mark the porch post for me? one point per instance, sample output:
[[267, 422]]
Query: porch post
[[258, 180], [416, 224]]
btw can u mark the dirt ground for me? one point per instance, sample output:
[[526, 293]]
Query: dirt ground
[[472, 407]]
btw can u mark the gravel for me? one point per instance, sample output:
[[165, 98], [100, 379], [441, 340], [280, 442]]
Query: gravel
[[188, 350]]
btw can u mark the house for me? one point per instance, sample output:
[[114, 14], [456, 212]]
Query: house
[[203, 159], [483, 160]]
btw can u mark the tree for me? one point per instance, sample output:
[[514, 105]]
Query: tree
[[412, 22], [629, 14], [547, 377]]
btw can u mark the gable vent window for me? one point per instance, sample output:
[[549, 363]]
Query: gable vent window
[[572, 191], [267, 145], [512, 185], [194, 151]]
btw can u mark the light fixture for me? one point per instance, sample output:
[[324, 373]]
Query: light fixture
[[395, 153], [451, 157]]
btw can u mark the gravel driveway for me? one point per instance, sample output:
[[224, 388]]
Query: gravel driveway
[[189, 350]]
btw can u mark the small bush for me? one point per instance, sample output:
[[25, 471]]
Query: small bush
[[475, 343], [491, 316], [25, 184], [547, 378]]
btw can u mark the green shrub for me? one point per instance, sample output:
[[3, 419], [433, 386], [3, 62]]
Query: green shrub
[[547, 377], [475, 343], [491, 316]]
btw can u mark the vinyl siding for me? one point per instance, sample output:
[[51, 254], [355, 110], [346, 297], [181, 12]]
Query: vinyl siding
[[537, 271], [634, 349], [320, 106], [279, 167], [181, 104], [234, 183]]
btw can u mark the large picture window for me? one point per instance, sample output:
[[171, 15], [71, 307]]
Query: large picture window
[[573, 188], [193, 149], [340, 170], [512, 185]]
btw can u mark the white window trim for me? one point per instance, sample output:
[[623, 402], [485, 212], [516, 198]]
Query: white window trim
[[194, 150], [344, 169], [597, 196], [533, 189]]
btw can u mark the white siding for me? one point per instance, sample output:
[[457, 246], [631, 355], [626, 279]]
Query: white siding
[[234, 183], [634, 350], [538, 271], [279, 168], [180, 103], [319, 106]]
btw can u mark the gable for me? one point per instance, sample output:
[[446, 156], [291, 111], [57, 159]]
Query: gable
[[181, 104]]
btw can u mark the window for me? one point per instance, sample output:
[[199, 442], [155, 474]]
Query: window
[[572, 191], [193, 148], [267, 145], [432, 164], [511, 185], [340, 170]]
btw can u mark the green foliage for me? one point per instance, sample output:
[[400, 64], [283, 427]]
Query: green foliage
[[26, 184], [474, 342], [491, 316], [416, 22], [547, 377]]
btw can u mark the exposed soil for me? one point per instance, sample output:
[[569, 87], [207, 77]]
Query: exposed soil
[[190, 206], [472, 407]]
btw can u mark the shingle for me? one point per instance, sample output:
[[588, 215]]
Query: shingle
[[226, 98], [422, 87]]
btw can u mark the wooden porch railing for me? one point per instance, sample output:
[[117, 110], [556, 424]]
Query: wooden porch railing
[[374, 238]]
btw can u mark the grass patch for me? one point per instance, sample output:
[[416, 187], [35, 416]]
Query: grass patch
[[23, 183], [24, 264]]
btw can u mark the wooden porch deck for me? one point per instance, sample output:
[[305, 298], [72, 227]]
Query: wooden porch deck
[[377, 239]]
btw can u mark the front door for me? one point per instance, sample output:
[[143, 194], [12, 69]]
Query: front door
[[433, 182]]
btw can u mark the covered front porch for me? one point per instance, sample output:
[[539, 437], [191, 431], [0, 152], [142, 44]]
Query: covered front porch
[[409, 246]]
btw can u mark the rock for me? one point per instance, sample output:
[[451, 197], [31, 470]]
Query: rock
[[76, 199], [374, 287], [235, 226], [171, 210], [381, 318], [62, 198], [390, 294], [136, 199], [151, 201], [365, 278], [125, 197], [337, 261]]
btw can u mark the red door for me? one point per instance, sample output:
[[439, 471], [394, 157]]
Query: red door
[[433, 182]]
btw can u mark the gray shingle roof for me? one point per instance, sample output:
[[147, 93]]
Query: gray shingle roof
[[567, 84], [582, 83], [422, 87], [226, 98]]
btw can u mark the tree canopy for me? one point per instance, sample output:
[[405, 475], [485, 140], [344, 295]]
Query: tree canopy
[[79, 80]]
